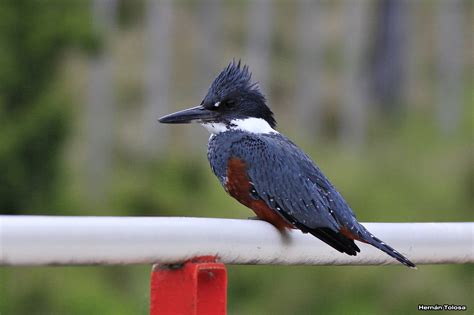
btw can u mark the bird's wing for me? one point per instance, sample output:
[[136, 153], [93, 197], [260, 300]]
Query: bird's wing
[[291, 184]]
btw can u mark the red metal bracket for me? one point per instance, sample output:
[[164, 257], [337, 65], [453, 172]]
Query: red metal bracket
[[196, 287]]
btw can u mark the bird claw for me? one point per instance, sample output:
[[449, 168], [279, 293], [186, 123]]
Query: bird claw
[[254, 218]]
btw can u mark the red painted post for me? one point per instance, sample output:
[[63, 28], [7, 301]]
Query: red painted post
[[197, 287]]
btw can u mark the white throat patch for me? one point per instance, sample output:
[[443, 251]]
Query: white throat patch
[[215, 128], [251, 124]]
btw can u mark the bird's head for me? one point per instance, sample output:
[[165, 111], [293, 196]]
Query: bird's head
[[233, 101]]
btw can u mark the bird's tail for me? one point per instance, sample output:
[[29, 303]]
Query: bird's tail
[[376, 242]]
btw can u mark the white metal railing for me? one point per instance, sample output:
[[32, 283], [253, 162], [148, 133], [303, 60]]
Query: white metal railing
[[52, 240]]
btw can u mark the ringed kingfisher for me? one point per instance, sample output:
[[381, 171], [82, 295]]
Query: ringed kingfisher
[[266, 171]]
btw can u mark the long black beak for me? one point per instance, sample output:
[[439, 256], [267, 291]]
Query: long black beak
[[198, 113]]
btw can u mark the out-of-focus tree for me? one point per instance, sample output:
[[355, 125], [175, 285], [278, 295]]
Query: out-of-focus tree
[[310, 67], [450, 49], [355, 98], [208, 48], [389, 52], [259, 36], [33, 109], [159, 20], [100, 105]]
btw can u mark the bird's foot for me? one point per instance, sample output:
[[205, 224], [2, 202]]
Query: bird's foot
[[255, 218]]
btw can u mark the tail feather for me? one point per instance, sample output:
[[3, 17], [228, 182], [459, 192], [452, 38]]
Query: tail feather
[[360, 233], [376, 242], [336, 240], [343, 241], [344, 244]]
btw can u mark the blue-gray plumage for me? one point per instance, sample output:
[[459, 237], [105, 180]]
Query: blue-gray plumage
[[267, 172]]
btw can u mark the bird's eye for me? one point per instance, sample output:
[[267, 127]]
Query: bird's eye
[[230, 103]]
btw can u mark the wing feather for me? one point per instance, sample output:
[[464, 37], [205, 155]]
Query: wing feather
[[286, 178]]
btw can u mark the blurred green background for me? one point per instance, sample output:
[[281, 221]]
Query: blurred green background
[[379, 93]]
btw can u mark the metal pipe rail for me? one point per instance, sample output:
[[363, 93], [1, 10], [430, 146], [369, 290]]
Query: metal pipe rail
[[53, 240]]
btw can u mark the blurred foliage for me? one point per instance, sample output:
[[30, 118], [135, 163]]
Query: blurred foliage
[[34, 112]]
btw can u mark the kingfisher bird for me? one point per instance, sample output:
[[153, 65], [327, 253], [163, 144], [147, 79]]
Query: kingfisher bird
[[266, 171]]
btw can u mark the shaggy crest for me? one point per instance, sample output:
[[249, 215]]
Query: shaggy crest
[[234, 76], [234, 84]]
